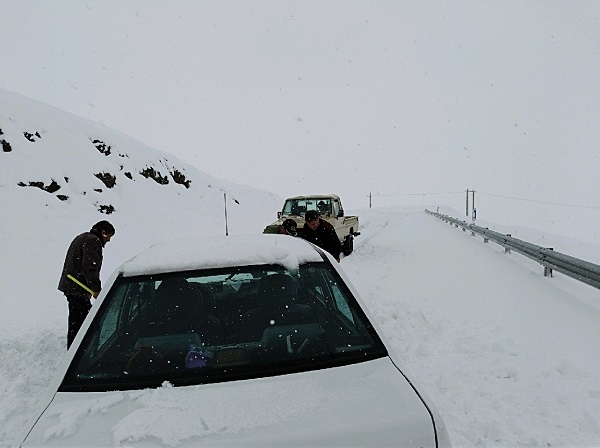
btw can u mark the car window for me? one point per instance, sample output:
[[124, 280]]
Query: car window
[[221, 325], [109, 328], [340, 299]]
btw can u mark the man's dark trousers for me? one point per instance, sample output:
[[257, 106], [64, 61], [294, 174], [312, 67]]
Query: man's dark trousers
[[79, 307]]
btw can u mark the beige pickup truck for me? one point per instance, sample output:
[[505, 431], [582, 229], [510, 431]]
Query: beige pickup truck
[[329, 207]]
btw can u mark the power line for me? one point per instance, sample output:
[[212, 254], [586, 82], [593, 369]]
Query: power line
[[541, 202], [592, 207], [417, 194]]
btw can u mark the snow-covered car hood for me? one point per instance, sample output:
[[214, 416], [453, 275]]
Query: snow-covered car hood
[[365, 404]]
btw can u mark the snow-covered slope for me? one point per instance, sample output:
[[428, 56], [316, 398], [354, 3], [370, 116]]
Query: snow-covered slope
[[59, 174]]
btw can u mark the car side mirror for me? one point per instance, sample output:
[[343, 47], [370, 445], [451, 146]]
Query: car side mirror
[[341, 214], [278, 215]]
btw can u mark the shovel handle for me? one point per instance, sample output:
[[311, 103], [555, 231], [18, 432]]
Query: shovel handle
[[70, 277]]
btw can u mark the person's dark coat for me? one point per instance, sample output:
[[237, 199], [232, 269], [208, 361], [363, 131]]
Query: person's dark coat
[[83, 261], [324, 236]]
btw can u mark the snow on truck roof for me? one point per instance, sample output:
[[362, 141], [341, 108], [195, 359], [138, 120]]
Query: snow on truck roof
[[219, 252], [315, 196]]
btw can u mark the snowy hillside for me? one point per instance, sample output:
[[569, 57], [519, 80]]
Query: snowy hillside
[[80, 172], [59, 174]]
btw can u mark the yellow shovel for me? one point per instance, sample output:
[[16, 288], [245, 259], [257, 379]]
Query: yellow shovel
[[80, 284]]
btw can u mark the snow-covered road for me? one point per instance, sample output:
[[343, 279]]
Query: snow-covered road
[[509, 357]]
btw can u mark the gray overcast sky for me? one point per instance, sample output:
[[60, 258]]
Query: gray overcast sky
[[389, 97]]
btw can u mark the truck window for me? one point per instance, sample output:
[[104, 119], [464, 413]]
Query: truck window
[[301, 206], [323, 206], [336, 208], [295, 207]]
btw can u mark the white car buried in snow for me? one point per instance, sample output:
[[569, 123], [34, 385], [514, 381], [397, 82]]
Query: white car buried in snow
[[234, 341]]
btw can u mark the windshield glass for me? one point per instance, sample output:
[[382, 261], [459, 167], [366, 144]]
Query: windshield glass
[[300, 206], [219, 325]]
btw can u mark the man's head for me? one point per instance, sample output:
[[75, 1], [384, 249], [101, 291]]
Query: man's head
[[289, 227], [105, 230], [312, 219]]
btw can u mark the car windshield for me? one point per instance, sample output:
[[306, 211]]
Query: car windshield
[[300, 206], [221, 325]]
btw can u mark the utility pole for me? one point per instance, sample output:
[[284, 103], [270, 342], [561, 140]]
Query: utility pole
[[467, 206], [370, 196], [473, 205], [226, 227]]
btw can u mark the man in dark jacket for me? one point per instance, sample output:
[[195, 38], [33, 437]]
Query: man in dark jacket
[[80, 277], [321, 233]]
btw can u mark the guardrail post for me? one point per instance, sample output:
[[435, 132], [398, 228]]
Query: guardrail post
[[547, 270]]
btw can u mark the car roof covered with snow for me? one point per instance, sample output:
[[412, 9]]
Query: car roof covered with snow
[[221, 251]]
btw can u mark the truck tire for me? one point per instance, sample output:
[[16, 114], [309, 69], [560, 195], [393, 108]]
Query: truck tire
[[348, 246]]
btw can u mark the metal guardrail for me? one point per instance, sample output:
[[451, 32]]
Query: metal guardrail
[[581, 270]]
